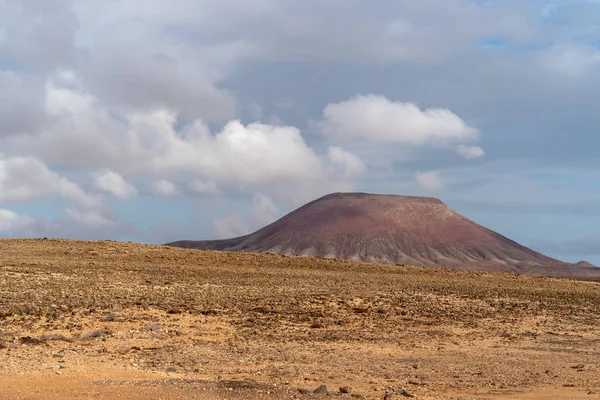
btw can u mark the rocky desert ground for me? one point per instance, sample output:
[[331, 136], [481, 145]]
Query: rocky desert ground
[[109, 320]]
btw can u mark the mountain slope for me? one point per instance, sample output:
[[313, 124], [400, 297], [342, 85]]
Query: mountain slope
[[392, 229]]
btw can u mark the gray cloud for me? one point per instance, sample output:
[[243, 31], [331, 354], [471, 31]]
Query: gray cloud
[[142, 79], [39, 34], [264, 211], [230, 226], [21, 103]]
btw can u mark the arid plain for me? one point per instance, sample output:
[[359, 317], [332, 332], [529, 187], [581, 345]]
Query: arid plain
[[110, 320]]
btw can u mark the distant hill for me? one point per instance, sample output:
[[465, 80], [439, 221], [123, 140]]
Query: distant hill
[[392, 229]]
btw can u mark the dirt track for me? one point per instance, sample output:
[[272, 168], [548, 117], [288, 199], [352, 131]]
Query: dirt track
[[112, 320]]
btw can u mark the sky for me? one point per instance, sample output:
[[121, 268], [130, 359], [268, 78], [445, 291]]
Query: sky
[[155, 121]]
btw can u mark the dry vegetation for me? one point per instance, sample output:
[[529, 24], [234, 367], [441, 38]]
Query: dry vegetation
[[124, 321]]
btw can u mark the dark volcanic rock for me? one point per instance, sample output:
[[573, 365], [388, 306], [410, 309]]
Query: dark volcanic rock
[[392, 229]]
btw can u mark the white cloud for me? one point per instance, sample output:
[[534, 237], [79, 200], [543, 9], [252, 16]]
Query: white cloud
[[142, 144], [26, 178], [230, 226], [11, 221], [208, 188], [264, 210], [470, 152], [80, 225], [163, 187], [256, 111], [256, 154], [429, 180], [148, 142], [113, 183], [90, 218], [572, 60], [74, 193], [351, 163], [375, 118]]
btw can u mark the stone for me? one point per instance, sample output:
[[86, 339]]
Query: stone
[[321, 390], [153, 327], [94, 334], [30, 341]]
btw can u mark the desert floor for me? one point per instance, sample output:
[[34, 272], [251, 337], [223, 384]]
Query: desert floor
[[109, 320]]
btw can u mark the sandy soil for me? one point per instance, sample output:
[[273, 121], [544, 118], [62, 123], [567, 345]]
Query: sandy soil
[[108, 320]]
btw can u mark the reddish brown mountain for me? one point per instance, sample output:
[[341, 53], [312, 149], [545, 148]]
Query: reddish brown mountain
[[393, 229]]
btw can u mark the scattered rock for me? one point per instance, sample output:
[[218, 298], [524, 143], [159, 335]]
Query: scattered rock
[[153, 327], [94, 334], [2, 345], [345, 389], [396, 395], [263, 310], [30, 341], [317, 326], [51, 337], [305, 391], [321, 390]]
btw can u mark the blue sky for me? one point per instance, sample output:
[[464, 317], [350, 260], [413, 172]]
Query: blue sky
[[155, 121]]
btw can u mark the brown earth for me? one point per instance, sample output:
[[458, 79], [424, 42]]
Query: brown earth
[[109, 320], [394, 230]]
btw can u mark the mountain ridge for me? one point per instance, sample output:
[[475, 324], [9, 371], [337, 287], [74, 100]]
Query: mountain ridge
[[393, 229]]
